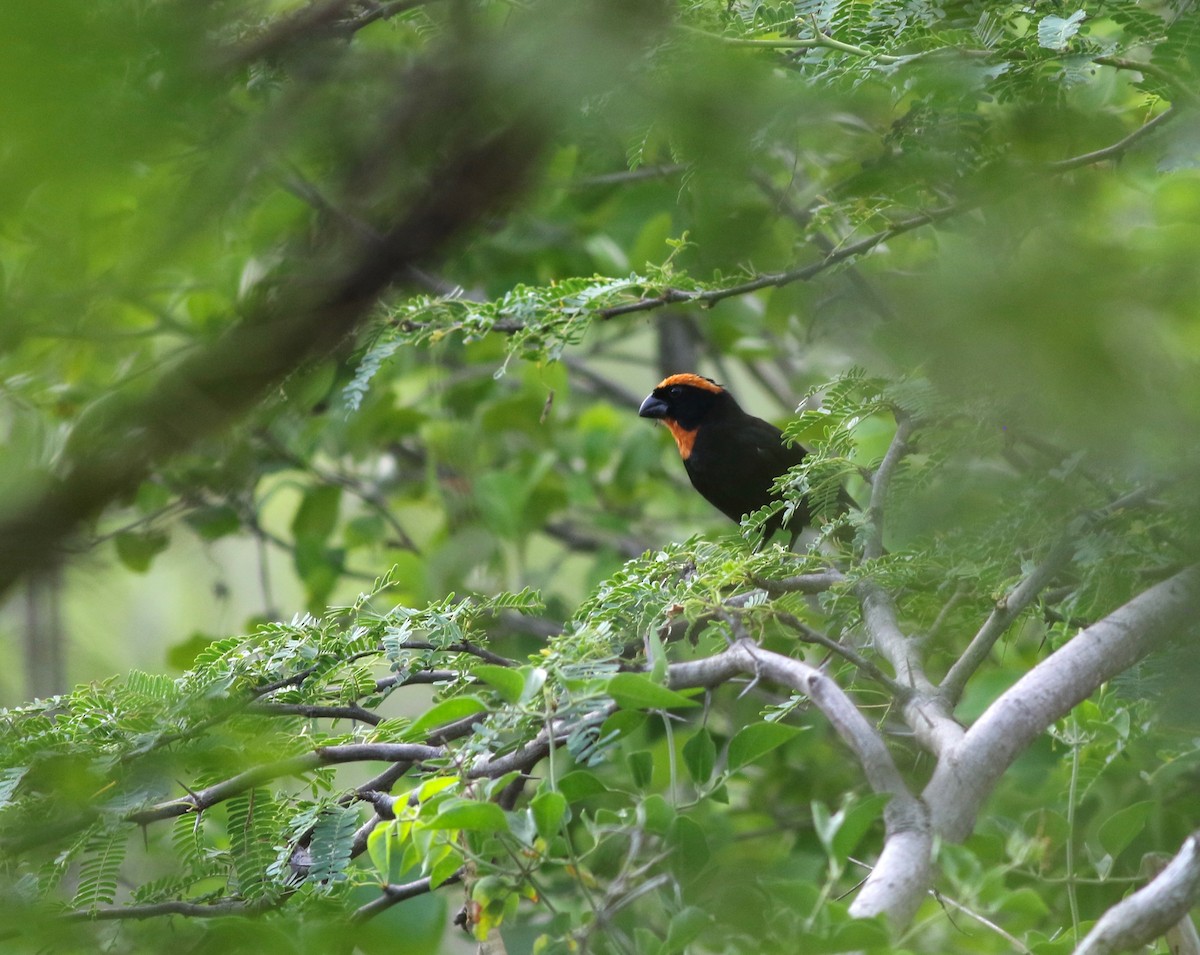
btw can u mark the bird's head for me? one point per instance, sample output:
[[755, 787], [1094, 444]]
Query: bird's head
[[682, 402]]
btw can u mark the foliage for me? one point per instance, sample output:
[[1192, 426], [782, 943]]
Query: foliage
[[380, 286]]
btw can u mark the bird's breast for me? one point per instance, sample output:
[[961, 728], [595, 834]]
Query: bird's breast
[[685, 440]]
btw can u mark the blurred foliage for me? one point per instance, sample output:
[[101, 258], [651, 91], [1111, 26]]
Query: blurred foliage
[[985, 216]]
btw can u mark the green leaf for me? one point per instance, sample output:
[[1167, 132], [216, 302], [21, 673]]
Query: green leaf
[[447, 711], [509, 682], [633, 691], [700, 756], [444, 868], [136, 551], [689, 843], [580, 784], [214, 522], [686, 926], [379, 849], [641, 768], [549, 809], [656, 814], [756, 740], [332, 843], [10, 779], [1123, 826], [858, 817], [470, 815], [316, 517]]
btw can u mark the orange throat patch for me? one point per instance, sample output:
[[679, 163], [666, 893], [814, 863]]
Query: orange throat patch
[[684, 439]]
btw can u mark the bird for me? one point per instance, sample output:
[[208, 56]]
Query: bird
[[731, 457]]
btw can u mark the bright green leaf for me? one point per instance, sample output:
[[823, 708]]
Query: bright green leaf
[[509, 682], [756, 740], [549, 809], [633, 691], [470, 815], [447, 711]]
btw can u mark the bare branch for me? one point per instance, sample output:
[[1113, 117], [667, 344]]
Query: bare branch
[[931, 721], [969, 772], [351, 711], [463, 646], [778, 279], [202, 799], [868, 669], [900, 879], [392, 893], [1007, 609], [1118, 148], [1152, 910], [881, 481], [802, 583], [196, 910]]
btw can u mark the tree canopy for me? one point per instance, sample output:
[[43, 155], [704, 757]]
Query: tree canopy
[[372, 289]]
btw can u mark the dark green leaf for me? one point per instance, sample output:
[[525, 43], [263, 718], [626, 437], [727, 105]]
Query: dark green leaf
[[700, 755], [137, 550]]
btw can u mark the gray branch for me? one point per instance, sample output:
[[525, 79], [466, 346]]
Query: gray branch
[[1152, 910], [1007, 609], [969, 771], [901, 877]]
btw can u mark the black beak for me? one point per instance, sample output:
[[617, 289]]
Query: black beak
[[653, 407]]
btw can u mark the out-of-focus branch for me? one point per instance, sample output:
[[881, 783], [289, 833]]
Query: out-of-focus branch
[[453, 148]]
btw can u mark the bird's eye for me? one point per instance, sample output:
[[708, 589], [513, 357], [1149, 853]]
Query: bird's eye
[[675, 391]]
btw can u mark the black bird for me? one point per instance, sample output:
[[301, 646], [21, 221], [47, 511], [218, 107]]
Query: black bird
[[732, 457]]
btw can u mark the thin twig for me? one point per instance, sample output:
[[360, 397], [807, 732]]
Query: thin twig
[[391, 894], [1118, 148], [708, 297], [869, 669]]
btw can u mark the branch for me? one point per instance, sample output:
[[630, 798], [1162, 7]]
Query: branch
[[816, 583], [930, 720], [711, 297], [818, 41], [407, 753], [1152, 910], [1177, 85], [194, 910], [868, 669], [1118, 148], [350, 711], [932, 723], [968, 772], [463, 646], [901, 877], [215, 385], [392, 893], [881, 482], [641, 174], [1007, 609]]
